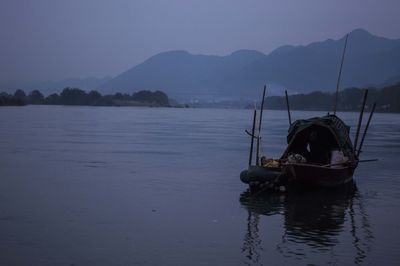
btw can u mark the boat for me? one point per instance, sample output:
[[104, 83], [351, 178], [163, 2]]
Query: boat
[[319, 153]]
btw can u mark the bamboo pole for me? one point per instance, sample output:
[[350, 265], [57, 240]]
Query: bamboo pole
[[360, 120], [252, 137], [356, 161], [366, 129], [340, 74], [288, 108], [259, 127]]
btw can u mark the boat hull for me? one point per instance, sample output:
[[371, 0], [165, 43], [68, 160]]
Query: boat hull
[[318, 176]]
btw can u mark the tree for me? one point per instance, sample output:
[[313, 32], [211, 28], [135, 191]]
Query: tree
[[142, 96], [20, 95], [157, 97], [52, 99], [36, 97], [73, 97], [160, 98], [93, 97]]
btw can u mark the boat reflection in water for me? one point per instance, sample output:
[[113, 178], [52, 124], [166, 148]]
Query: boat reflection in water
[[314, 222]]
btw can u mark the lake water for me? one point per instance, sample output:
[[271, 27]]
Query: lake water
[[159, 186]]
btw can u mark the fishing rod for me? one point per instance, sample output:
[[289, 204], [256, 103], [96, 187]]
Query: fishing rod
[[340, 74]]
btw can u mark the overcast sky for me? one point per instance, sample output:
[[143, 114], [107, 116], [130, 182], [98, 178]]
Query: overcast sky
[[57, 39]]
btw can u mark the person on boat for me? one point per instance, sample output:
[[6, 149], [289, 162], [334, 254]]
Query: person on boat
[[300, 147], [319, 149]]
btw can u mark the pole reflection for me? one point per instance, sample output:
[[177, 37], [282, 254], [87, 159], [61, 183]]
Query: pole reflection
[[313, 221]]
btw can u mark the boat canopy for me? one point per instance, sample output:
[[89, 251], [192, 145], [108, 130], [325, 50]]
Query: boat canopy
[[328, 133]]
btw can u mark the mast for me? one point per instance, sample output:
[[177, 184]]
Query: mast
[[252, 137], [366, 129], [259, 127], [360, 120], [340, 74], [288, 108]]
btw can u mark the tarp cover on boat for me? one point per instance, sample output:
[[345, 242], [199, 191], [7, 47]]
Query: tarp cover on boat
[[335, 124]]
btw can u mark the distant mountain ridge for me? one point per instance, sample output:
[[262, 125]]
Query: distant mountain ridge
[[181, 73], [369, 60]]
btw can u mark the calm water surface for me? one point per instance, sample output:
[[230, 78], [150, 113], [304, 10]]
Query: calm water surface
[[133, 186]]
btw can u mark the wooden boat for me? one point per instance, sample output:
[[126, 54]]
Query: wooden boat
[[318, 176], [327, 156], [319, 152]]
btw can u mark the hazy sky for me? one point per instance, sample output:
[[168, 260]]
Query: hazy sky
[[57, 39]]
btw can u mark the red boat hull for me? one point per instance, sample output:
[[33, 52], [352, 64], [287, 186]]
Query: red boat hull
[[318, 176]]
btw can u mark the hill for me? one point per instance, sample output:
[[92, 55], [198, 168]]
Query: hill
[[350, 99], [370, 60], [182, 74]]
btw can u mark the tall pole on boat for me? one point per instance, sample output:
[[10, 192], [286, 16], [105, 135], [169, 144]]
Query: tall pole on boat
[[340, 74], [288, 108], [366, 129], [252, 136], [360, 120], [259, 127]]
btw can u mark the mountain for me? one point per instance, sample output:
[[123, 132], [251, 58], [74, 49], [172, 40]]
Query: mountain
[[182, 74], [369, 60], [390, 81], [48, 87]]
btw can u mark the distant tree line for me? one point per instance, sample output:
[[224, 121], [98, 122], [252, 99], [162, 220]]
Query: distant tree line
[[387, 99], [75, 96]]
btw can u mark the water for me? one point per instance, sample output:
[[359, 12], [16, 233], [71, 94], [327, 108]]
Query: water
[[155, 186]]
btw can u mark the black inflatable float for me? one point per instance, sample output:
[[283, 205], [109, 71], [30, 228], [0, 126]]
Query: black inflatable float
[[260, 174]]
